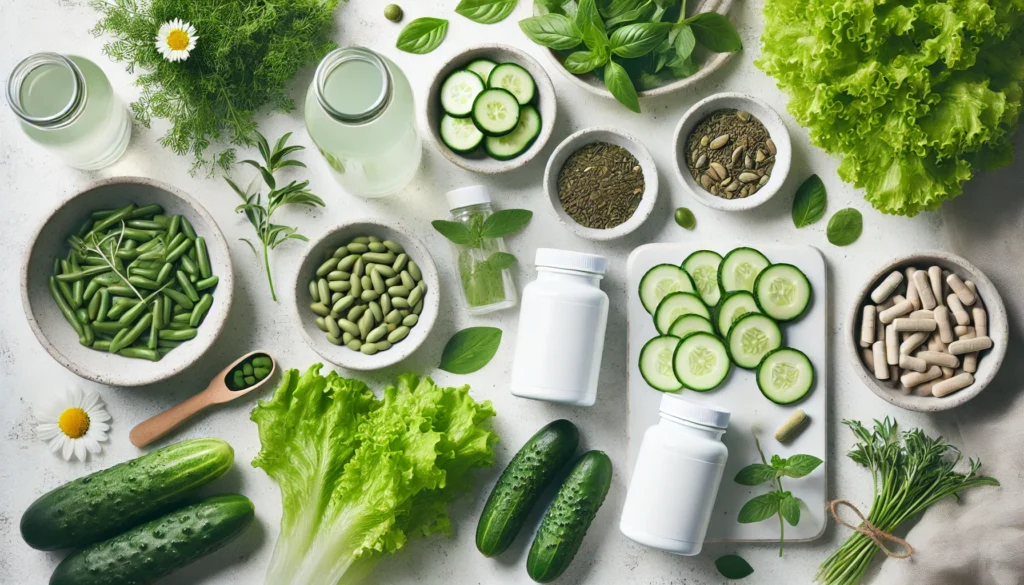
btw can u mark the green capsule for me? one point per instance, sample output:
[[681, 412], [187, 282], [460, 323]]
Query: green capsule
[[415, 295], [398, 334], [342, 286], [348, 262], [359, 269], [362, 240], [369, 295], [383, 345], [321, 324], [338, 275], [343, 304], [399, 291], [349, 327], [399, 303], [385, 303], [247, 369], [393, 246], [407, 280], [400, 262], [341, 252], [335, 297], [418, 308], [260, 373], [325, 268], [384, 271], [393, 317], [377, 334], [411, 320], [333, 339], [320, 309], [314, 292], [358, 247], [379, 257], [354, 345], [356, 313], [376, 247], [378, 313], [377, 282], [366, 282], [346, 337], [332, 327], [368, 349], [249, 381], [355, 286]]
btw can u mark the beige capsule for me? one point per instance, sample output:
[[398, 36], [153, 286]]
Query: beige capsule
[[914, 325], [974, 290], [878, 359], [763, 181], [719, 142], [954, 384], [714, 189], [704, 140], [888, 286], [935, 280], [898, 310], [924, 289], [980, 321], [971, 362], [867, 325], [909, 362], [695, 156], [962, 346], [942, 320], [912, 294], [911, 379], [957, 308], [961, 330], [892, 346], [937, 358], [947, 373], [921, 314], [733, 187], [926, 388], [913, 342], [966, 296]]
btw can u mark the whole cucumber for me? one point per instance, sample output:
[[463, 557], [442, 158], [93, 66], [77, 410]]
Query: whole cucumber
[[566, 522], [103, 504], [153, 550], [520, 485]]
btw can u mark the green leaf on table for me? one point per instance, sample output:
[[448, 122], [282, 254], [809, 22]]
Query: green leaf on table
[[756, 474], [733, 567], [555, 31], [715, 32], [486, 11], [789, 507], [798, 466], [809, 203], [641, 13], [621, 86], [456, 232], [501, 260], [582, 62], [470, 349], [504, 222], [422, 35], [845, 227], [639, 39], [684, 41], [760, 508]]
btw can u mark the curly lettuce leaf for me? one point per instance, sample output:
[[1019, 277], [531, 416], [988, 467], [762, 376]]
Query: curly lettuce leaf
[[914, 96]]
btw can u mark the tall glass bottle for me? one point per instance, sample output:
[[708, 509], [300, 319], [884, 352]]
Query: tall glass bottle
[[485, 281], [66, 104], [359, 113]]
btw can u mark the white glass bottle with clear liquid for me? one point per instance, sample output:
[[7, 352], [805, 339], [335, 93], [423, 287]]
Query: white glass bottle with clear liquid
[[360, 114], [66, 104]]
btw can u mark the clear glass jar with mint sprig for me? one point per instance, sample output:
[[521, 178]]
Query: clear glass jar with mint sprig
[[483, 263]]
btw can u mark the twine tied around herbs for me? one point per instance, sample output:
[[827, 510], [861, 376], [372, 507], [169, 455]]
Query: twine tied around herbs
[[877, 535]]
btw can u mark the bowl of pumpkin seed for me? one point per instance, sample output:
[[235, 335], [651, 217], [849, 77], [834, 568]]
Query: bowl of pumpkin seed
[[732, 152]]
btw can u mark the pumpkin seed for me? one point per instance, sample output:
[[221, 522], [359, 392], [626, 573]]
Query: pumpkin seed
[[760, 156], [703, 160], [745, 116], [704, 140], [763, 181], [717, 172], [719, 142], [749, 177], [771, 146], [705, 181], [736, 154]]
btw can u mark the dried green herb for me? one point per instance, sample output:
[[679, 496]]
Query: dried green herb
[[730, 154], [601, 185]]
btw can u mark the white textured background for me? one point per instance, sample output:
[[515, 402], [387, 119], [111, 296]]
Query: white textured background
[[33, 182]]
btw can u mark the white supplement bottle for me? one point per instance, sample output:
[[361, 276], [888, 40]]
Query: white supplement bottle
[[676, 477], [561, 329]]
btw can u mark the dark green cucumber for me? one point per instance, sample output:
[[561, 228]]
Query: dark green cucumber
[[157, 548], [566, 522], [520, 485], [103, 504]]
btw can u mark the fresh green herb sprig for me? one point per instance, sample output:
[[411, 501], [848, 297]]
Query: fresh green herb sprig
[[777, 502], [271, 234], [422, 35], [910, 471], [247, 52], [629, 42]]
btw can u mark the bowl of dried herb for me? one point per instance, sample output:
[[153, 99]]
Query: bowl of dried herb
[[732, 152], [601, 183]]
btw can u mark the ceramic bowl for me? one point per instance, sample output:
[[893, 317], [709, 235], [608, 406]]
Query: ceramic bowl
[[580, 139], [50, 242], [714, 62], [776, 129], [315, 254], [989, 361], [479, 162]]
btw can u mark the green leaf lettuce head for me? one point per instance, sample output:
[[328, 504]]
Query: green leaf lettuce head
[[359, 475], [914, 96]]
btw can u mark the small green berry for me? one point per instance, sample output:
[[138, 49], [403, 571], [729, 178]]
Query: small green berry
[[393, 12], [685, 218]]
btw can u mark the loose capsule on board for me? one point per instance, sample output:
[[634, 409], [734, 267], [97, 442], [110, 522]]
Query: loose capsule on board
[[887, 287], [924, 289], [967, 297]]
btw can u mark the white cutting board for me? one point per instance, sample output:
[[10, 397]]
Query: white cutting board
[[739, 394]]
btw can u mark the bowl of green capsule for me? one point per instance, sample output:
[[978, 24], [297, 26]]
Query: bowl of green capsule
[[366, 294], [128, 282]]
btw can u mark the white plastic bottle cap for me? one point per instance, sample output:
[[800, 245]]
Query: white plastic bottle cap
[[567, 260], [709, 416], [466, 196]]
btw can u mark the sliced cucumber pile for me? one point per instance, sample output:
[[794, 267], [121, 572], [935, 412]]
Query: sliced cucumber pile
[[712, 312], [488, 104]]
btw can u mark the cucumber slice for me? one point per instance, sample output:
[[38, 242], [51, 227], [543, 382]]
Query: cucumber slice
[[785, 375], [459, 91], [688, 324], [674, 306], [751, 337], [515, 79], [702, 266], [701, 362], [733, 306], [519, 140], [739, 269], [660, 281], [460, 134], [782, 292], [482, 67], [656, 363], [495, 112]]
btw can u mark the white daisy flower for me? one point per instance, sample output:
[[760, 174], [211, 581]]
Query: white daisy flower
[[176, 40], [74, 425]]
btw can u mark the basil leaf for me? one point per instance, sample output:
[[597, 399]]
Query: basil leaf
[[637, 40], [663, 6], [501, 260], [612, 8], [595, 39], [470, 349], [587, 14], [800, 465], [549, 6], [486, 11], [582, 62], [715, 32], [789, 507], [758, 509], [733, 567], [809, 203], [845, 227], [685, 41], [755, 474], [778, 462], [640, 13], [555, 31], [621, 86], [456, 232], [682, 68], [422, 35], [505, 222]]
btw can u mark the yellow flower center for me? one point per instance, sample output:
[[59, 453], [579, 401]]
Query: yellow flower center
[[74, 423], [177, 40]]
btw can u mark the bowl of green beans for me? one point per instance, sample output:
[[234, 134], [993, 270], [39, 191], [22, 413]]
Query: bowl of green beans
[[366, 295], [128, 282]]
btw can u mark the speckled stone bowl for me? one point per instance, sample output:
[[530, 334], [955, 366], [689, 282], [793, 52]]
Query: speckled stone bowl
[[990, 360], [306, 319], [50, 242]]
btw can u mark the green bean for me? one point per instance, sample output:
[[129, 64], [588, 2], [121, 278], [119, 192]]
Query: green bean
[[157, 254], [118, 339], [139, 352], [119, 215], [207, 282], [150, 273], [109, 327], [94, 308], [132, 314], [204, 258], [179, 298], [200, 310], [82, 314], [120, 305], [152, 209], [85, 228], [101, 313], [64, 307], [189, 266], [187, 228], [179, 334], [82, 274], [101, 344], [168, 343], [173, 225], [121, 291], [181, 318], [140, 235], [181, 249], [91, 289], [77, 293], [178, 309], [152, 244], [155, 324], [186, 285], [165, 273], [146, 224], [88, 337], [143, 282], [134, 333]]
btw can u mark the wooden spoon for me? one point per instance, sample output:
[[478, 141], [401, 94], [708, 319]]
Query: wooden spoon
[[216, 393]]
